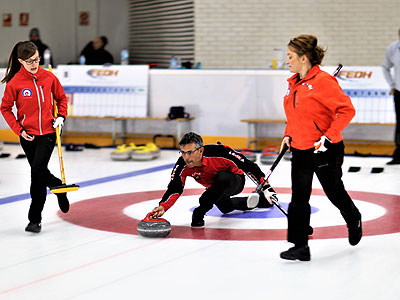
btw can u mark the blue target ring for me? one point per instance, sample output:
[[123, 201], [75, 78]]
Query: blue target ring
[[262, 213]]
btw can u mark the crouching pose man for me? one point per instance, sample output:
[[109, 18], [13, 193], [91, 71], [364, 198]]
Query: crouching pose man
[[221, 170]]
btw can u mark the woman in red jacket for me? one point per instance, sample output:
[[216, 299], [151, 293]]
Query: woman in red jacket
[[30, 89], [317, 110]]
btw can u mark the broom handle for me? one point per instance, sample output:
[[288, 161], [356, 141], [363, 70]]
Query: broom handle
[[60, 157]]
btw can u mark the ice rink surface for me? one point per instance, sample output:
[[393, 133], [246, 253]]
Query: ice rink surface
[[94, 252]]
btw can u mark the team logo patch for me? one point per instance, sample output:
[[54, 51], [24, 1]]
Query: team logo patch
[[308, 85], [26, 93], [196, 176]]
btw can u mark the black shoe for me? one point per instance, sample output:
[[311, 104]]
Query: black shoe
[[297, 253], [33, 227], [63, 202], [197, 223], [355, 232], [394, 162], [197, 218]]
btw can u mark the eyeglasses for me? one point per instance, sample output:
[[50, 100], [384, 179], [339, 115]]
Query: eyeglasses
[[36, 60], [189, 153]]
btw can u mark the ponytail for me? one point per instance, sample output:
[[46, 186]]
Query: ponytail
[[308, 45], [22, 50]]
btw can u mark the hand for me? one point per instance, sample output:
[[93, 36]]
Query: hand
[[59, 122], [322, 144], [27, 136], [392, 91], [286, 140], [269, 193], [158, 211]]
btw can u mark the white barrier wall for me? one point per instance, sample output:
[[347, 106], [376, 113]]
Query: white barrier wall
[[219, 99]]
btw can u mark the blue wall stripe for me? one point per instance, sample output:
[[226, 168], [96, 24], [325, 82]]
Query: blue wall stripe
[[95, 181]]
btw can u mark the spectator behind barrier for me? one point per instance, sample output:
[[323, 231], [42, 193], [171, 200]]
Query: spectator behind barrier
[[95, 54], [34, 37]]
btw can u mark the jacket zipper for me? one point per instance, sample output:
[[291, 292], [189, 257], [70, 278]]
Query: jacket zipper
[[23, 120], [41, 91], [40, 107], [294, 99]]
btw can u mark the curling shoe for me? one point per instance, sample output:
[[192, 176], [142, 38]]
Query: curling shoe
[[197, 219], [197, 223], [297, 253], [63, 202], [34, 227], [355, 232], [252, 200], [394, 162]]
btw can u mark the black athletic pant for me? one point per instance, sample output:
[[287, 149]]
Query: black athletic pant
[[328, 168], [396, 97], [225, 185], [38, 153]]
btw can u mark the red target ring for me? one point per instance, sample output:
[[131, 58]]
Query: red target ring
[[106, 213]]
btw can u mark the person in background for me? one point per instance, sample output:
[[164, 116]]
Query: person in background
[[34, 37], [392, 60], [95, 54], [220, 170], [317, 110], [31, 89]]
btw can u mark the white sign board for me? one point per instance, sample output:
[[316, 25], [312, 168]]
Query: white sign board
[[369, 93], [105, 91]]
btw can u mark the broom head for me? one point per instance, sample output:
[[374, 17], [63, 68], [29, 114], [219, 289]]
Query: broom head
[[64, 188]]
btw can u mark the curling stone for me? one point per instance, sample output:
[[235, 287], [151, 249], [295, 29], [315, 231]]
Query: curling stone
[[153, 227], [269, 155], [249, 154]]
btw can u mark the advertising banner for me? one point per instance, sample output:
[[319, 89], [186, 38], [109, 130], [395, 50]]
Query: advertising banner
[[369, 93], [105, 91]]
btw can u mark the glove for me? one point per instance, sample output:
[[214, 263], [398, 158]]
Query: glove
[[322, 144], [59, 122], [269, 193]]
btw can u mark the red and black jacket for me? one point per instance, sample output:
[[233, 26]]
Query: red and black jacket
[[31, 94], [216, 158]]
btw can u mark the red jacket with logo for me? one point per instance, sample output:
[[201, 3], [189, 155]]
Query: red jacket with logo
[[316, 106], [216, 158], [31, 94]]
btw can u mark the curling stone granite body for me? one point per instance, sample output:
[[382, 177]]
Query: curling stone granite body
[[154, 228]]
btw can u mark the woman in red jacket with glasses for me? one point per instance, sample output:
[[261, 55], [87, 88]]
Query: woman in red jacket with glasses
[[30, 89], [317, 110]]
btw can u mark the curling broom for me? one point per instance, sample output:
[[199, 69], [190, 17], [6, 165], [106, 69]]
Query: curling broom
[[63, 188]]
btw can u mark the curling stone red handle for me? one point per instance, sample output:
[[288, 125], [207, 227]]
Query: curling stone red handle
[[149, 218]]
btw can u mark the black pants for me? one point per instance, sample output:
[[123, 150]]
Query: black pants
[[396, 97], [38, 153], [225, 185], [328, 168]]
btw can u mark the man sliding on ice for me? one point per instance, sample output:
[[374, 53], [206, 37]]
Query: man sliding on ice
[[220, 170]]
